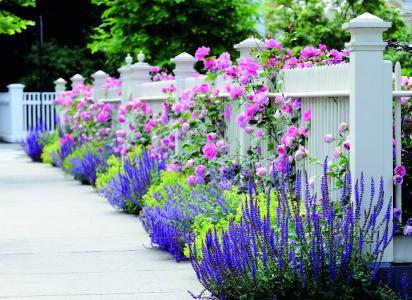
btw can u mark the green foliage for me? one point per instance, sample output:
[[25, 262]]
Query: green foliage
[[114, 167], [52, 145], [59, 61], [235, 201], [9, 22], [167, 178], [163, 29], [300, 25]]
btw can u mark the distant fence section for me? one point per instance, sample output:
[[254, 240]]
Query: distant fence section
[[20, 112]]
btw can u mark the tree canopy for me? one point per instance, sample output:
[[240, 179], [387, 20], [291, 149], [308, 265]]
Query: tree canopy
[[163, 29], [299, 23], [10, 23]]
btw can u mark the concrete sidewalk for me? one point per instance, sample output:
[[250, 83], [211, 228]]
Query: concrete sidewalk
[[61, 240]]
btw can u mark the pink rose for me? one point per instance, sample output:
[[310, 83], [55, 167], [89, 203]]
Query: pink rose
[[307, 115], [261, 172], [400, 170], [200, 170], [210, 151], [327, 138]]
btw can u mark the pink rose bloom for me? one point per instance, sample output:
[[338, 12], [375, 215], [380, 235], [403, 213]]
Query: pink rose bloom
[[228, 111], [346, 145], [292, 131], [138, 135], [122, 110], [281, 149], [222, 146], [404, 100], [327, 138], [191, 180], [121, 133], [400, 170], [200, 170], [185, 127], [107, 107], [248, 129], [236, 91], [279, 99], [204, 87], [202, 52], [261, 172], [176, 108], [343, 127], [147, 127], [250, 112], [102, 117], [299, 154], [259, 133], [311, 183], [211, 137], [122, 119], [189, 163], [210, 64], [272, 44], [210, 151], [307, 115]]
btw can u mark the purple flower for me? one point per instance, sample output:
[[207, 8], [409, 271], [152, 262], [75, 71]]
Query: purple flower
[[346, 145], [272, 44], [191, 180], [397, 214], [407, 230], [409, 222], [397, 180], [202, 52], [327, 138]]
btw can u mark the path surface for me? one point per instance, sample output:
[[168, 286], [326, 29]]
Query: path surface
[[60, 240]]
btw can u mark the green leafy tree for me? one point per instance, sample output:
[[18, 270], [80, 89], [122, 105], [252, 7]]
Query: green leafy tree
[[10, 23], [299, 23], [163, 29], [58, 61]]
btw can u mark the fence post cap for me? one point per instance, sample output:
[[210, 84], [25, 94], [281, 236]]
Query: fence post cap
[[77, 77], [60, 81], [250, 42], [15, 86], [128, 59], [366, 20], [99, 74], [184, 57]]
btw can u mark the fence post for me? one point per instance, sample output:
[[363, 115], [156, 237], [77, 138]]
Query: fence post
[[16, 112], [184, 68], [370, 113], [125, 72], [59, 87], [77, 80], [99, 78], [245, 49], [139, 74]]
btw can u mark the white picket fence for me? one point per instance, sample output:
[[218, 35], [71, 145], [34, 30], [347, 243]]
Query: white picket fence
[[360, 93], [20, 112], [39, 111]]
